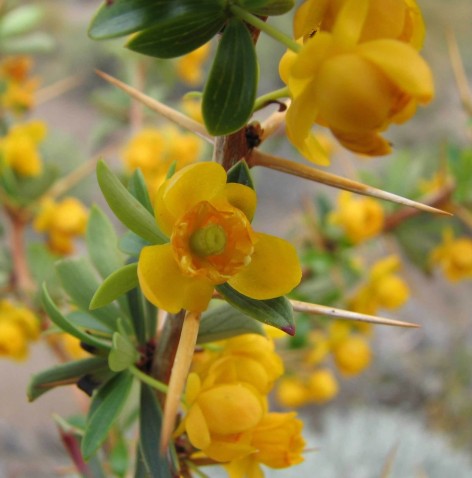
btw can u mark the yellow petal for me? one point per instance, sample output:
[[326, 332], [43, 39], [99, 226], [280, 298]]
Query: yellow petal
[[403, 65], [308, 17], [274, 269], [197, 429], [242, 197], [350, 21], [192, 184], [369, 143], [165, 286]]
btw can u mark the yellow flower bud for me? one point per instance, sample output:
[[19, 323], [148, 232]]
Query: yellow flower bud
[[189, 67], [352, 355], [322, 386], [13, 342], [291, 392], [454, 257]]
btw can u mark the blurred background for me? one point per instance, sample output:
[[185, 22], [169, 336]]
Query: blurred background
[[414, 402]]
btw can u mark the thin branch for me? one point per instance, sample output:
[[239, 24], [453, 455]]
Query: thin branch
[[58, 88]]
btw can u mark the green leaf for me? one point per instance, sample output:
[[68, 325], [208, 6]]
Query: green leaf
[[131, 244], [224, 322], [180, 34], [150, 421], [58, 319], [79, 318], [137, 187], [126, 16], [268, 7], [102, 243], [123, 353], [106, 405], [80, 282], [119, 457], [228, 98], [20, 20], [127, 208], [277, 312], [64, 374], [115, 285], [37, 42], [240, 174], [143, 315]]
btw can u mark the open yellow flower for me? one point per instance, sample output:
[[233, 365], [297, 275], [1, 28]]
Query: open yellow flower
[[454, 256], [211, 242], [357, 89]]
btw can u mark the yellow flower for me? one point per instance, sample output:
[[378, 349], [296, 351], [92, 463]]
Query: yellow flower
[[394, 19], [384, 288], [352, 355], [322, 386], [62, 221], [20, 148], [153, 150], [454, 256], [189, 67], [357, 89], [319, 347], [210, 421], [360, 217], [279, 444], [72, 347], [193, 107], [292, 392], [211, 242], [18, 326]]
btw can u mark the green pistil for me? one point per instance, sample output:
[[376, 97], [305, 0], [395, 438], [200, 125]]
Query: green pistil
[[208, 241]]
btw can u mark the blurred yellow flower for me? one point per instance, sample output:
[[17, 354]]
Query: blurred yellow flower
[[292, 392], [190, 67], [154, 150], [72, 347], [319, 347], [211, 242], [384, 288], [192, 107], [352, 355], [19, 148], [361, 217], [322, 386], [387, 79], [18, 327], [62, 222], [454, 256]]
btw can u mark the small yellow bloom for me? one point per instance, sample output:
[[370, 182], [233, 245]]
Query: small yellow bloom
[[190, 66], [19, 148], [154, 150], [454, 257], [211, 242], [361, 217], [292, 392], [278, 442], [62, 222], [352, 355], [193, 107], [18, 327], [319, 348], [386, 80], [322, 386]]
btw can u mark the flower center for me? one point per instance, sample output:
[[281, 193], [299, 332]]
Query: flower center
[[208, 241], [212, 243]]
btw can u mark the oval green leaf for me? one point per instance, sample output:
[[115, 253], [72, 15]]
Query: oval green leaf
[[115, 285], [277, 312], [123, 354], [228, 98]]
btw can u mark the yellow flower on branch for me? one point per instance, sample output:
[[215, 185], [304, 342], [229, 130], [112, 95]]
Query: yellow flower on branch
[[211, 242], [19, 148], [454, 256], [361, 217], [154, 150], [352, 355], [190, 67], [62, 222], [356, 88]]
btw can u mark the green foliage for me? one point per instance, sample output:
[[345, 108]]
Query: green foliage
[[127, 208], [241, 174], [267, 7], [123, 353], [277, 312], [225, 321], [115, 285], [106, 405], [460, 164], [230, 92], [64, 374]]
